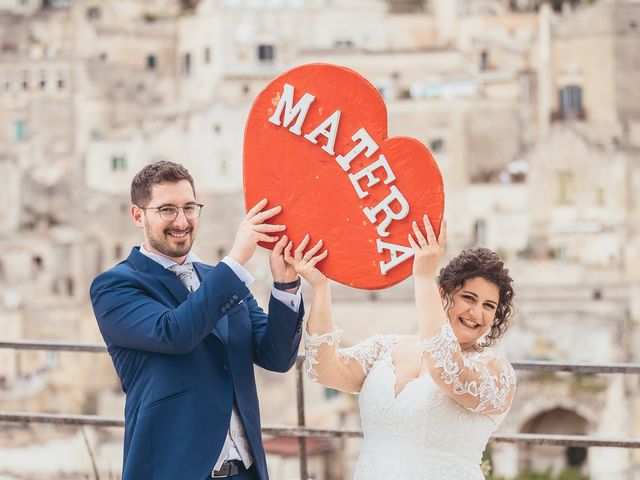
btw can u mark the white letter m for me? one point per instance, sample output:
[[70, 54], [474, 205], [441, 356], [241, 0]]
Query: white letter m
[[299, 110]]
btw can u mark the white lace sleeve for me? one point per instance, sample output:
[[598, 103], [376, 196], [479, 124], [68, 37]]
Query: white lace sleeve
[[312, 341], [343, 369], [482, 382]]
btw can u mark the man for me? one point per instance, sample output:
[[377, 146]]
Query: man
[[184, 336]]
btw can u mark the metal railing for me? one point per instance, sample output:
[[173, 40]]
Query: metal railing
[[302, 432]]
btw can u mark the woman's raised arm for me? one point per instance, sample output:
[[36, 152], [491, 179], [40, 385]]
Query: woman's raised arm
[[342, 369]]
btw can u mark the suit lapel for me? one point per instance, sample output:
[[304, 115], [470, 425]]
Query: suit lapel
[[166, 278], [174, 286]]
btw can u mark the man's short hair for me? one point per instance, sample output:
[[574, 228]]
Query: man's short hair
[[155, 174]]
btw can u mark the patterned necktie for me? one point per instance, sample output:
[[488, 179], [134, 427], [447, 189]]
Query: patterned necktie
[[187, 275]]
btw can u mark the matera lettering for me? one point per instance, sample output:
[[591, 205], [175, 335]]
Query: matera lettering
[[289, 113]]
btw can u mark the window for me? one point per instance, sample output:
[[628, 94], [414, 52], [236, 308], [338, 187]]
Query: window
[[68, 283], [52, 358], [20, 130], [559, 253], [484, 60], [61, 82], [25, 80], [266, 53], [571, 102], [118, 163], [330, 393], [151, 62], [480, 232], [186, 64], [94, 13], [37, 263], [564, 187], [436, 145], [207, 55], [56, 3], [343, 43]]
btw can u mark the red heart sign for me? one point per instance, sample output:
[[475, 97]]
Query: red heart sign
[[316, 143]]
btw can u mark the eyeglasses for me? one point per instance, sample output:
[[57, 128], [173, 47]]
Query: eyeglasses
[[168, 213]]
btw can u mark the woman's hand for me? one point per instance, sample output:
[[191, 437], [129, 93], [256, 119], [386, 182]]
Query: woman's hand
[[281, 271], [305, 263], [428, 251]]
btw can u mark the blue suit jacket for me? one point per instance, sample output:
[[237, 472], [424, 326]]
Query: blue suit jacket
[[184, 358]]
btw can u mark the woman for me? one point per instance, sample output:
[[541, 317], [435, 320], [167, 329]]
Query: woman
[[428, 402]]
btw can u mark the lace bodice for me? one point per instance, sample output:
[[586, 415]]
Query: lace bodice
[[438, 425]]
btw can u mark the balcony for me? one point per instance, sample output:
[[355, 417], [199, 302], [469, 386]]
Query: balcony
[[307, 437]]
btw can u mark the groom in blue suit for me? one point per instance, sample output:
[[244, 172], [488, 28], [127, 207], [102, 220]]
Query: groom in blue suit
[[184, 336]]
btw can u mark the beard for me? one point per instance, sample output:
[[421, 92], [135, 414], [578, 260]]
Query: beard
[[170, 246]]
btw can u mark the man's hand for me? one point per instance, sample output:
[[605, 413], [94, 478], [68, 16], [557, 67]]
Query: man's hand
[[282, 271], [253, 230]]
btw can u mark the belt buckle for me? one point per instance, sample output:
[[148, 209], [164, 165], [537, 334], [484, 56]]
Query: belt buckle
[[223, 472], [227, 469]]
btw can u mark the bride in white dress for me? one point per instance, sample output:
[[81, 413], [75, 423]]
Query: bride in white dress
[[428, 402]]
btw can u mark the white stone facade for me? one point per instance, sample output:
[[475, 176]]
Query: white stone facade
[[537, 142]]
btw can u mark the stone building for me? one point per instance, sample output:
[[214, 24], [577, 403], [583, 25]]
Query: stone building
[[538, 142]]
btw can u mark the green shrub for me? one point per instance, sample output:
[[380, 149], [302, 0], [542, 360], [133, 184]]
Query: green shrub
[[566, 474]]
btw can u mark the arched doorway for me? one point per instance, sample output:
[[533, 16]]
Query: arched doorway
[[558, 421]]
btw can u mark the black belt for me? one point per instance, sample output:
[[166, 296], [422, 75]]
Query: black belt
[[228, 469]]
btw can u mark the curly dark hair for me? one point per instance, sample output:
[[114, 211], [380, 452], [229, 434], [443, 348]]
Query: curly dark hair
[[483, 263], [154, 174]]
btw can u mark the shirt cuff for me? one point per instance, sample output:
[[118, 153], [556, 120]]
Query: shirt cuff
[[241, 272], [291, 300]]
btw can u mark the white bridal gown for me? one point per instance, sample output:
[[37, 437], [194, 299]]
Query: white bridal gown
[[429, 431]]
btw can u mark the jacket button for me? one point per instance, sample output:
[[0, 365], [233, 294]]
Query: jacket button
[[235, 297], [223, 310], [226, 368]]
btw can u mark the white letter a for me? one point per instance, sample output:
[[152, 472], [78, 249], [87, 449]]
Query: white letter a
[[407, 252]]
